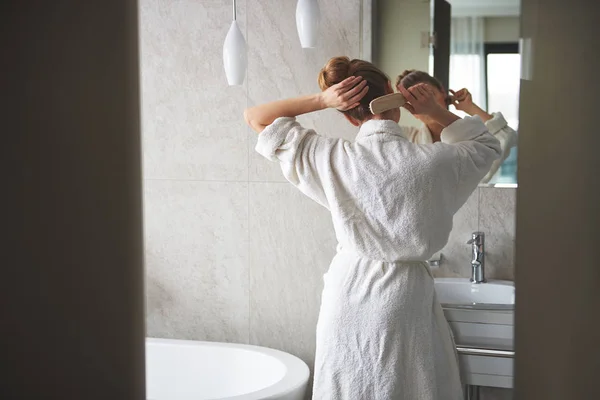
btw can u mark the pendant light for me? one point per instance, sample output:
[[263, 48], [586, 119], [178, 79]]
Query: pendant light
[[235, 59], [308, 17]]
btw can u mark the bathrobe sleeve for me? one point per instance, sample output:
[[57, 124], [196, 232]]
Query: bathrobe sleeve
[[476, 148], [303, 155], [507, 137]]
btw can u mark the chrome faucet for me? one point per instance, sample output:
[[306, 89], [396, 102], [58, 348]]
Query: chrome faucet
[[478, 261]]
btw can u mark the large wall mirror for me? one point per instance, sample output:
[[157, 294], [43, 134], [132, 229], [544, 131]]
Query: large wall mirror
[[465, 44]]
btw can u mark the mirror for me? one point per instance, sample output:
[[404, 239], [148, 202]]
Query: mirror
[[465, 44]]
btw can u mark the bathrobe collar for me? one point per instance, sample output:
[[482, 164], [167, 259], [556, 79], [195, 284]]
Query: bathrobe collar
[[377, 126]]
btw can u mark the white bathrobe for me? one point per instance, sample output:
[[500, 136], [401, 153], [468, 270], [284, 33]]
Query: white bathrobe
[[381, 333], [497, 127]]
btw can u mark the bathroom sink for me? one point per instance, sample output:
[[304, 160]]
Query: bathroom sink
[[461, 293], [481, 317]]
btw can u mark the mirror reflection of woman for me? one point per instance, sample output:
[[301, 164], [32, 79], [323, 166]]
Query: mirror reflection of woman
[[463, 101], [381, 332]]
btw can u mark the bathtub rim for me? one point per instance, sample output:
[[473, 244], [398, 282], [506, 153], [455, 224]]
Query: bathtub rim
[[296, 375]]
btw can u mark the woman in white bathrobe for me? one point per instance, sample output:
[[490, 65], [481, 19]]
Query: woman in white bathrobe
[[430, 131], [381, 333]]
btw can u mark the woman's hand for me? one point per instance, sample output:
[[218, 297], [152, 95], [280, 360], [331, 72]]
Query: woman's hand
[[462, 100], [421, 100], [345, 95]]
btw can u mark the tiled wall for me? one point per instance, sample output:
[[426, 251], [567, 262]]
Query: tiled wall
[[492, 211], [233, 252], [195, 148]]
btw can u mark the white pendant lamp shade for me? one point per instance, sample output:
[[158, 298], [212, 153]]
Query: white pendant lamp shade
[[308, 18], [234, 55]]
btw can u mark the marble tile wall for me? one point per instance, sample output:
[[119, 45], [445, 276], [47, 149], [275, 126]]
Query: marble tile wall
[[192, 122], [233, 252], [197, 259], [195, 165], [492, 211], [204, 184]]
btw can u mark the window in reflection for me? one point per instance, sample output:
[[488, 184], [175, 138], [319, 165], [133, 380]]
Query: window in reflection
[[503, 72]]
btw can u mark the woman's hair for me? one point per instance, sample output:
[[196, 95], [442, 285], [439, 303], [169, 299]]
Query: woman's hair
[[412, 77], [339, 68]]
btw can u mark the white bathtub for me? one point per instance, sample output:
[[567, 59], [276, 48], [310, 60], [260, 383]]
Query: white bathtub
[[189, 370]]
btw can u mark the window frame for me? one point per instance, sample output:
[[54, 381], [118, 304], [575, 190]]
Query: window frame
[[496, 48]]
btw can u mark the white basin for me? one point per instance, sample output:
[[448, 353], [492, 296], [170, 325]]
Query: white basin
[[481, 317], [461, 292]]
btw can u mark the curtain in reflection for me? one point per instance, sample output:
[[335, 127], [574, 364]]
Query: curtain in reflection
[[467, 57]]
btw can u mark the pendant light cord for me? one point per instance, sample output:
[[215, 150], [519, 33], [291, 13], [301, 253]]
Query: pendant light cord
[[234, 12]]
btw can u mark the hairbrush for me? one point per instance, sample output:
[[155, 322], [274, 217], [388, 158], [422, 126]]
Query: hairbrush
[[387, 102]]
